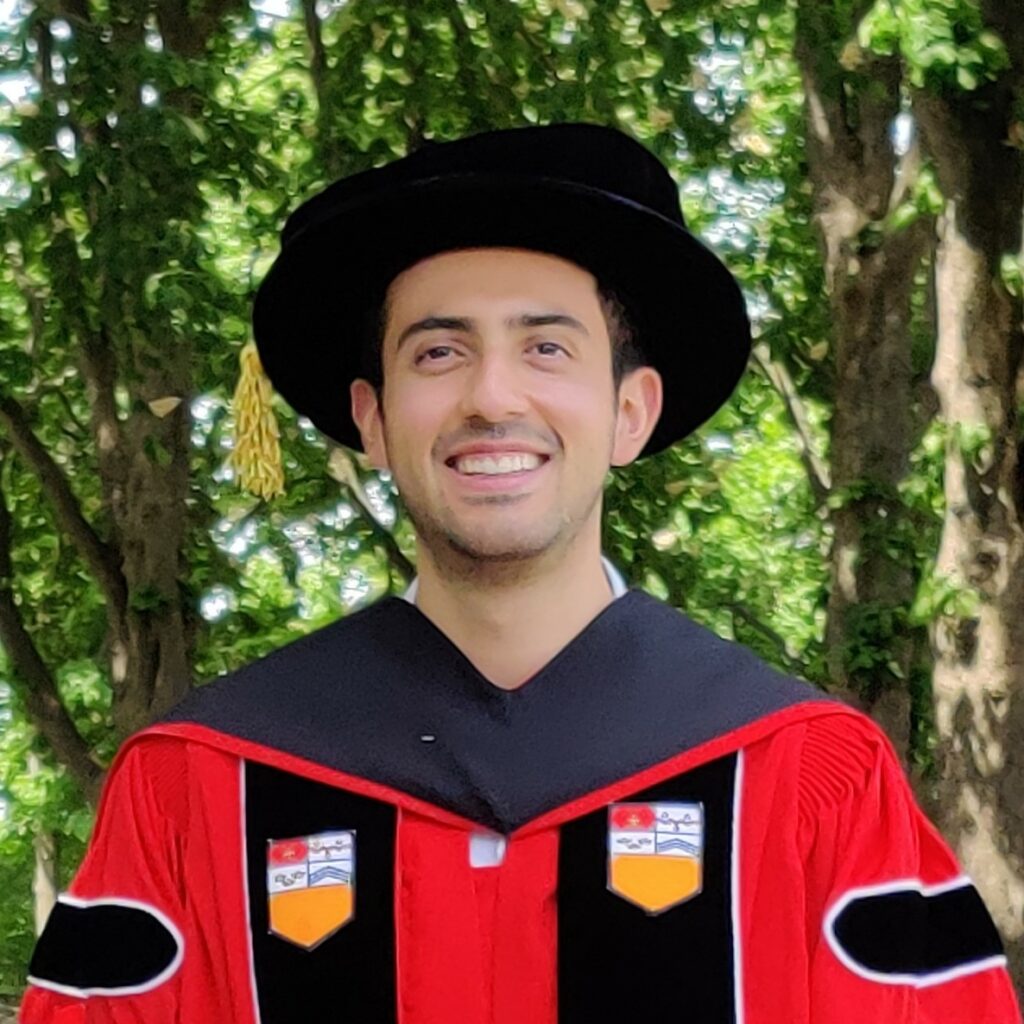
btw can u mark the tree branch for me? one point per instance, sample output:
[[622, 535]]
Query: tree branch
[[331, 155], [36, 303], [850, 103], [318, 56], [39, 689], [472, 73], [61, 395], [343, 470], [96, 351], [817, 470], [908, 170], [99, 370], [187, 31], [1004, 17], [542, 55], [75, 11], [101, 559], [744, 614]]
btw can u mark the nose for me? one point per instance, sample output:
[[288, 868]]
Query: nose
[[494, 390]]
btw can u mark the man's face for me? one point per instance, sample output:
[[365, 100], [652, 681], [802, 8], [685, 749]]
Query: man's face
[[499, 417]]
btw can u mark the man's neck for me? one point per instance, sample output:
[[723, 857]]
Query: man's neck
[[511, 631]]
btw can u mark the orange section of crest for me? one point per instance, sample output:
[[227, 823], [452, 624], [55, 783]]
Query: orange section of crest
[[308, 916], [655, 883]]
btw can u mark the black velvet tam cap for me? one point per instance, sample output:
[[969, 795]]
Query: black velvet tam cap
[[587, 193]]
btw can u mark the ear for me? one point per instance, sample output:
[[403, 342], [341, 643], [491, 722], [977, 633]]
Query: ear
[[369, 418], [639, 406]]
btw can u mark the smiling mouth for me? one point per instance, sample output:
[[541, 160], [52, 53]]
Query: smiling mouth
[[495, 465]]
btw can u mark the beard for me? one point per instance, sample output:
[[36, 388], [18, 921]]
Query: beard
[[503, 546], [504, 550]]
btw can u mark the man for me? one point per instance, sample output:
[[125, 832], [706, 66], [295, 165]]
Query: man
[[520, 795]]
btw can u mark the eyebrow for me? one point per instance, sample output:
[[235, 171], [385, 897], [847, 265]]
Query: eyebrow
[[463, 323]]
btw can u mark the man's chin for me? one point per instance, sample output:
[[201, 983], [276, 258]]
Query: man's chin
[[498, 550], [479, 551], [466, 548]]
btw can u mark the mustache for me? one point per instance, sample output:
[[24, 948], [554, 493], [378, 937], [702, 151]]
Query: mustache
[[513, 433]]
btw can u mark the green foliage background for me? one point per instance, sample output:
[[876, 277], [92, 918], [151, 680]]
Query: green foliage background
[[169, 171]]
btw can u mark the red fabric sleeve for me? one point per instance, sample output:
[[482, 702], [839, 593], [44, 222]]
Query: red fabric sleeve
[[861, 834], [135, 855]]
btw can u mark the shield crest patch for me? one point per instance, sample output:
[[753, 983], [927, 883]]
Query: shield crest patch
[[311, 886], [656, 853]]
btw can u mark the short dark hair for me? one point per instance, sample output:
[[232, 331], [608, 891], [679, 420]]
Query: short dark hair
[[626, 352]]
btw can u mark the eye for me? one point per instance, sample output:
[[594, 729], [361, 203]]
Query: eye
[[434, 354], [550, 348]]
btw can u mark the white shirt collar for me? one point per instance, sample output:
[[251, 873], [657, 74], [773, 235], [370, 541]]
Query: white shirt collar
[[615, 581]]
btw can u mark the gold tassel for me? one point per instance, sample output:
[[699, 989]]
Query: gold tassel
[[256, 457]]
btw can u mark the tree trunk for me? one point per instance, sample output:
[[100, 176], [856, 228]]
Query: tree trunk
[[45, 884], [979, 640], [157, 660], [872, 650], [869, 270], [134, 545], [44, 879], [151, 521]]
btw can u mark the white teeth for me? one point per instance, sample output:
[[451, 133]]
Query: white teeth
[[490, 466]]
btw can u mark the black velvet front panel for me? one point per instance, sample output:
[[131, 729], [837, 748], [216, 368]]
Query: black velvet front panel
[[350, 976], [616, 962], [640, 684]]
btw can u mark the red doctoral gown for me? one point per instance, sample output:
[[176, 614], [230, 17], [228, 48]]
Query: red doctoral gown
[[361, 828]]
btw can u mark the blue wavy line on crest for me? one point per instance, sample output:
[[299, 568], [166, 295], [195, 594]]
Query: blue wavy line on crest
[[329, 872], [678, 844]]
